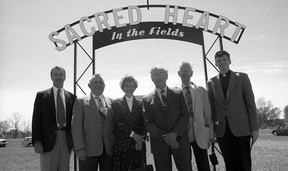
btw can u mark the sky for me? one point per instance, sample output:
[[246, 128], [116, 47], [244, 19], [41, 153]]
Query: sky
[[27, 55]]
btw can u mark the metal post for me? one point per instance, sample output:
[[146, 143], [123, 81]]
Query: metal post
[[93, 59], [213, 144], [206, 80], [75, 87], [205, 65], [148, 4], [220, 43]]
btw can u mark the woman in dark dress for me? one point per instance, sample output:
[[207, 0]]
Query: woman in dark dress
[[129, 146]]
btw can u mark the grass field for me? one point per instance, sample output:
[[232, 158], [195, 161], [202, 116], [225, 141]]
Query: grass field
[[270, 153]]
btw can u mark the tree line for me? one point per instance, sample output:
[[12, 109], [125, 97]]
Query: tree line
[[268, 116], [15, 126]]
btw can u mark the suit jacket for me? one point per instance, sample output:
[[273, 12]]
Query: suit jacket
[[44, 123], [159, 121], [125, 122], [239, 107], [202, 116], [88, 131]]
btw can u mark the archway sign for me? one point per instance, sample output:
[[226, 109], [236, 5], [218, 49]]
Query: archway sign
[[135, 22], [185, 26]]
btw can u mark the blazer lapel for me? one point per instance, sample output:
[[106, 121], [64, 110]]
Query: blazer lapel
[[195, 99], [92, 105], [232, 83], [218, 88], [157, 101], [135, 104], [52, 104], [125, 105], [105, 101], [169, 98], [67, 101]]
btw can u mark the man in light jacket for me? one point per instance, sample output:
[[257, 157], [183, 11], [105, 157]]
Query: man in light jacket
[[200, 127], [91, 131]]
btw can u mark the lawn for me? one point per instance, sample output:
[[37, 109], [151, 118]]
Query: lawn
[[270, 153]]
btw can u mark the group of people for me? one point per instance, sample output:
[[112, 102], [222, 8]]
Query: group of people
[[111, 134]]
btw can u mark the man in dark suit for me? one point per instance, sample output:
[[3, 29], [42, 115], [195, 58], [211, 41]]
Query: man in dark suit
[[51, 124], [166, 120], [234, 114], [91, 130]]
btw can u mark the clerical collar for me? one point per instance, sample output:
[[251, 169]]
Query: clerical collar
[[227, 74]]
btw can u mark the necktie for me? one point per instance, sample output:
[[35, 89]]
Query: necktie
[[101, 109], [164, 98], [60, 110], [189, 101]]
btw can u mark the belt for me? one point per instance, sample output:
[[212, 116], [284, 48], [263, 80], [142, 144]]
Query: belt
[[61, 129]]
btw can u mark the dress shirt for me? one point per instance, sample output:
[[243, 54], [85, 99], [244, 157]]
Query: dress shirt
[[160, 94], [55, 90], [224, 78], [129, 102], [102, 101]]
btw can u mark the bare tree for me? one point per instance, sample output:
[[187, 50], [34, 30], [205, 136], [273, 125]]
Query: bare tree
[[4, 126], [15, 121], [266, 111], [27, 127], [286, 112]]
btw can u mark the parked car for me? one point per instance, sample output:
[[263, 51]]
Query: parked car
[[3, 142], [281, 130], [27, 142]]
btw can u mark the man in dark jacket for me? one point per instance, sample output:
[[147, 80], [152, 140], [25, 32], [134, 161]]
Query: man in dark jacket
[[51, 124]]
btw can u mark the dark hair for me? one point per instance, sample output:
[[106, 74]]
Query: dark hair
[[222, 53], [57, 67], [128, 78]]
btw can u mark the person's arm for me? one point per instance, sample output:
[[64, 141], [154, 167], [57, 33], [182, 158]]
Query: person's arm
[[77, 126], [38, 147], [36, 124], [250, 103], [81, 154], [254, 136], [210, 89], [110, 122], [207, 113], [251, 108]]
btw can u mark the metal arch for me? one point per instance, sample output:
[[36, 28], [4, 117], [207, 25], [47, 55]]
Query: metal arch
[[76, 80], [148, 6]]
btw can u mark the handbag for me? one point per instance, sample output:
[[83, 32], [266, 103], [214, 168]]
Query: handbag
[[144, 167], [148, 167]]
